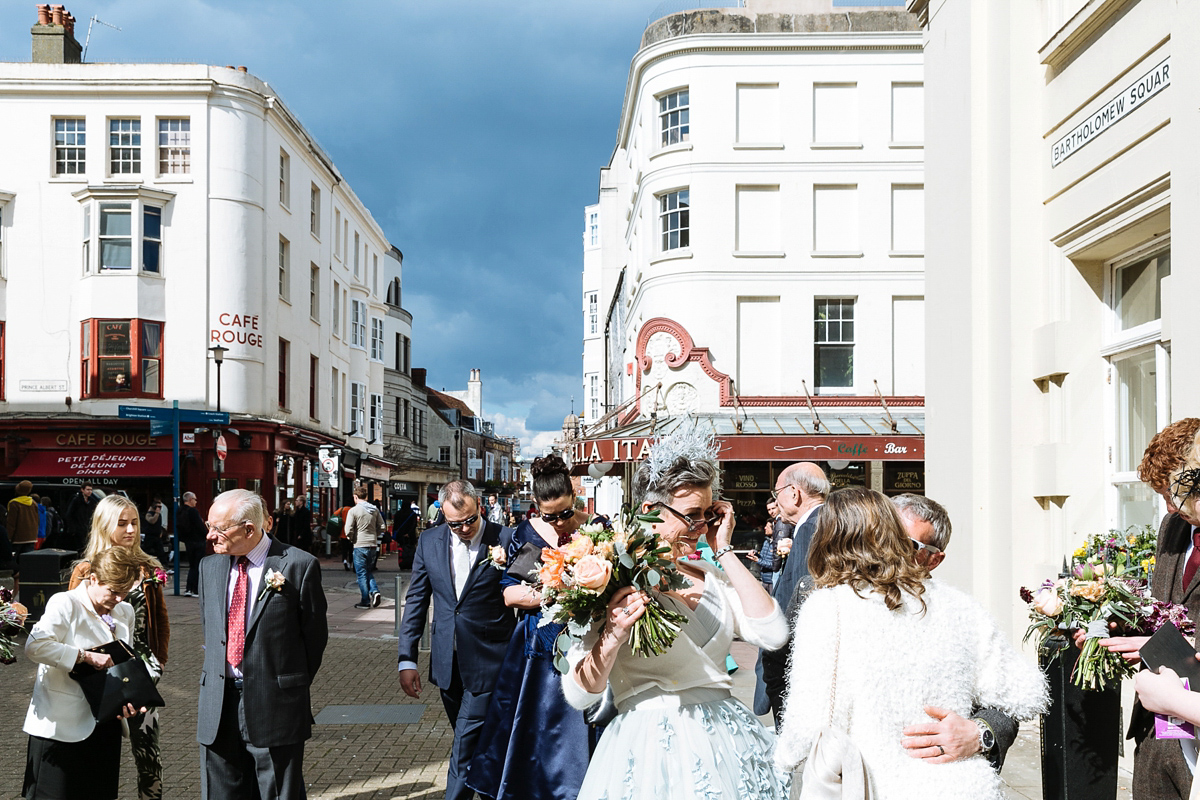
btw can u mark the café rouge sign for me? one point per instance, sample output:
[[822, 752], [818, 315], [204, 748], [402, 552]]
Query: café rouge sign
[[103, 439]]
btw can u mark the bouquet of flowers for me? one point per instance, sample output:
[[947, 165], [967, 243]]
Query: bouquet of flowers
[[12, 619], [1108, 581], [579, 579]]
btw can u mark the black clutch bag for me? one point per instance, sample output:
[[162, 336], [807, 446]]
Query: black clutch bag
[[126, 681], [524, 566]]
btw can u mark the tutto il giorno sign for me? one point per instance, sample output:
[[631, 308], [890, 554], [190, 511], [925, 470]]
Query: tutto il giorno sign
[[1112, 111]]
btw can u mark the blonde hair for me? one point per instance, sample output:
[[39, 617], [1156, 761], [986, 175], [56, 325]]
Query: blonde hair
[[120, 568], [104, 525], [860, 541]]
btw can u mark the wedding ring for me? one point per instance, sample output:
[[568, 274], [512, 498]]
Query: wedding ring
[[626, 611], [942, 749]]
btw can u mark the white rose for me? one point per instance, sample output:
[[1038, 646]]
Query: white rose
[[1048, 602]]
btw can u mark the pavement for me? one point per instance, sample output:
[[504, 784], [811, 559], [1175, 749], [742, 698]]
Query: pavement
[[358, 751]]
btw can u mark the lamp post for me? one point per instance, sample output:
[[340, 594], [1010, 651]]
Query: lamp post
[[219, 357]]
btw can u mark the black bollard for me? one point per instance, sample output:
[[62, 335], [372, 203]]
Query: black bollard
[[1081, 734]]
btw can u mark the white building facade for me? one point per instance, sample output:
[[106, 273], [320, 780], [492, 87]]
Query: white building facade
[[755, 255], [151, 212]]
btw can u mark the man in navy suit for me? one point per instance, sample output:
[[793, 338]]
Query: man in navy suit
[[471, 623]]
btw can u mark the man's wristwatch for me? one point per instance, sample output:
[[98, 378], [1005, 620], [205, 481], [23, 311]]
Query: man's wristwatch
[[987, 738]]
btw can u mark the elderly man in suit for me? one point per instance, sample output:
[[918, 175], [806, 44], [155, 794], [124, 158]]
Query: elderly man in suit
[[800, 490], [264, 635], [471, 623]]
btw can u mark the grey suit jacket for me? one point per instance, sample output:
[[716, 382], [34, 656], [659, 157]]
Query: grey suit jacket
[[285, 640]]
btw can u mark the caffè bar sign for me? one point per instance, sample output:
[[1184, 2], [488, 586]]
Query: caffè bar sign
[[766, 448], [1112, 111]]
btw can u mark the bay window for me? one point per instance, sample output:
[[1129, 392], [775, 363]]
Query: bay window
[[123, 229], [121, 358]]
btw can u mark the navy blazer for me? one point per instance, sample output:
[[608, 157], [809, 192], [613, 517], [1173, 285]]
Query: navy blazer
[[285, 641], [475, 628]]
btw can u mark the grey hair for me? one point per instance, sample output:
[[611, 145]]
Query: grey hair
[[701, 472], [246, 506], [812, 485], [189, 496], [930, 511], [455, 492]]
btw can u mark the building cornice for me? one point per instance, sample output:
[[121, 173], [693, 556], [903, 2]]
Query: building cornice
[[113, 191]]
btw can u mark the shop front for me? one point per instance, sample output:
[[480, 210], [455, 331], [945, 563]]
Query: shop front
[[892, 463]]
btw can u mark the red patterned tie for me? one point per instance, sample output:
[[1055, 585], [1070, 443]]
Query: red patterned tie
[[1193, 562], [236, 638]]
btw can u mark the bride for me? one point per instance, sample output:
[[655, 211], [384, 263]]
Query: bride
[[679, 733]]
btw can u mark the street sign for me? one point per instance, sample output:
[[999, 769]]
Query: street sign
[[189, 438], [160, 427], [186, 415], [222, 450]]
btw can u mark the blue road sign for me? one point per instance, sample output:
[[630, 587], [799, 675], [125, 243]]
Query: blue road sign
[[160, 427], [173, 414]]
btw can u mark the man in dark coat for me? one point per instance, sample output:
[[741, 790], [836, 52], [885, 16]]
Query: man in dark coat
[[191, 531], [471, 624], [79, 518]]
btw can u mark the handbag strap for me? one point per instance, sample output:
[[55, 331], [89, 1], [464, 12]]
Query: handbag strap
[[837, 646]]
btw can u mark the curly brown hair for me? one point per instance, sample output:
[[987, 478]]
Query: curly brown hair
[[860, 541], [1167, 451]]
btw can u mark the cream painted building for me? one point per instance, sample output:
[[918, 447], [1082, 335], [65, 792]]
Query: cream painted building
[[1058, 150], [756, 252]]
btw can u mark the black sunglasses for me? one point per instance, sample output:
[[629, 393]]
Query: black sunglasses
[[561, 516], [461, 524], [708, 521]]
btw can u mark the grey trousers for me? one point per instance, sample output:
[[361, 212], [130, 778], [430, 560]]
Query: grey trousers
[[233, 769]]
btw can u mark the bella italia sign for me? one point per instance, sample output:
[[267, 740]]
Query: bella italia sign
[[1116, 109]]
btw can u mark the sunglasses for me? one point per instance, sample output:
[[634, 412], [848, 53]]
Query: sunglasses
[[561, 516], [709, 520], [919, 546], [463, 524]]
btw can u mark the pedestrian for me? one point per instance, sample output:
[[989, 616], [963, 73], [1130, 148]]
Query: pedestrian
[[71, 755], [282, 519], [191, 531], [22, 528], [404, 533], [345, 543], [265, 631], [115, 525], [79, 518], [364, 525], [41, 512], [301, 525], [434, 514], [495, 510], [54, 525], [153, 531], [471, 624]]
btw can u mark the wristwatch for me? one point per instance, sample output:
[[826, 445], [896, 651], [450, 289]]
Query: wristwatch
[[987, 738]]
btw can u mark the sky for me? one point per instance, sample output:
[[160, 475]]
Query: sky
[[473, 131]]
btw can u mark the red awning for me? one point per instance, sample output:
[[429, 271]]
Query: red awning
[[94, 464]]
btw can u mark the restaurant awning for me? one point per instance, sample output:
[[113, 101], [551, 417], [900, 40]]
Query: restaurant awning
[[95, 464]]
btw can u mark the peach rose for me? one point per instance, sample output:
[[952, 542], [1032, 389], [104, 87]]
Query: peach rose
[[550, 574], [1091, 590], [605, 550], [592, 573], [578, 547], [1048, 602]]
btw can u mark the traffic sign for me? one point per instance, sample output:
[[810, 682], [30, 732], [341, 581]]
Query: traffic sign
[[168, 414], [222, 450]]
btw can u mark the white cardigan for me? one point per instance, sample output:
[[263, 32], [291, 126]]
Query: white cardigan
[[891, 664], [684, 665], [59, 709]]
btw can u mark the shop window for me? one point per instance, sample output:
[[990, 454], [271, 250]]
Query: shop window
[[121, 358]]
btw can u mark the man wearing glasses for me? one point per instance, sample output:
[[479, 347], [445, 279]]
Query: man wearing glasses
[[951, 737], [800, 490], [471, 623]]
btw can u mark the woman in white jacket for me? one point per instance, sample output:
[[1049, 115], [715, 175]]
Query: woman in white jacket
[[679, 733], [886, 640], [71, 756]]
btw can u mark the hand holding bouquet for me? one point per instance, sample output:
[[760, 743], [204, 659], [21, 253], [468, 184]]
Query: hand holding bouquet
[[579, 579]]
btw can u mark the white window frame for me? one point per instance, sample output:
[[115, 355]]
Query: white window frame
[[71, 144], [124, 146], [285, 178], [356, 243], [674, 117], [335, 406], [593, 228], [674, 219], [358, 324], [841, 341], [337, 234], [377, 339], [375, 419], [337, 315], [358, 408], [314, 211], [314, 292], [139, 200], [174, 146], [285, 269], [593, 301]]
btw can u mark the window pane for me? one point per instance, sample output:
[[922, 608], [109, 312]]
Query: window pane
[[115, 221], [1136, 505], [151, 340], [150, 376], [152, 223], [114, 375], [151, 255], [116, 254], [1137, 408], [1139, 290], [834, 366], [114, 338]]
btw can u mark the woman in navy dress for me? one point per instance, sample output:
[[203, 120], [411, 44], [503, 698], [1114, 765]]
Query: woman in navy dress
[[533, 745]]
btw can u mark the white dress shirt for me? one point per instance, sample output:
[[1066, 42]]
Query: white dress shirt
[[462, 559], [258, 558]]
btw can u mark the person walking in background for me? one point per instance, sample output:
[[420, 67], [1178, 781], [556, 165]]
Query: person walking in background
[[71, 756], [364, 526], [190, 529], [471, 624], [22, 528], [495, 510], [404, 533], [302, 535], [54, 525], [265, 631], [41, 512], [153, 532], [79, 518], [115, 525]]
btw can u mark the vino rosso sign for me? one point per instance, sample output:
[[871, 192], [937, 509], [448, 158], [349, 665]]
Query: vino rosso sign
[[766, 448]]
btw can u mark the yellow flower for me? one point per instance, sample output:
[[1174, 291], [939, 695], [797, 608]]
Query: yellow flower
[[1145, 563], [1090, 590], [1081, 552]]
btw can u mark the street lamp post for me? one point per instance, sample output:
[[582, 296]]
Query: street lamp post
[[219, 357]]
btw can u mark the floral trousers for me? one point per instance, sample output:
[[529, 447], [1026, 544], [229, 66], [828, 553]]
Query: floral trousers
[[143, 736]]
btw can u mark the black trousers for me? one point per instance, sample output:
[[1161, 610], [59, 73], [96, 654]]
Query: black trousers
[[466, 711], [231, 768], [195, 552]]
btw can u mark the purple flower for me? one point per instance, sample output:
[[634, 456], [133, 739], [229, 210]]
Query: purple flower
[[1026, 595], [109, 621], [6, 595]]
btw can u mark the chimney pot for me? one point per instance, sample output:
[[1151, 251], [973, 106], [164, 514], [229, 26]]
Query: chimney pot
[[43, 14], [242, 69], [56, 15]]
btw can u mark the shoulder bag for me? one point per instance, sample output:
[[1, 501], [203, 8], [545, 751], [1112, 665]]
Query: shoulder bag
[[834, 769], [127, 681]]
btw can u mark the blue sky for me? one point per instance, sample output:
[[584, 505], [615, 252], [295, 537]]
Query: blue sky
[[474, 132]]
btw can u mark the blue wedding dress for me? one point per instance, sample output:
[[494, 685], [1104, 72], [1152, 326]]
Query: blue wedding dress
[[533, 746]]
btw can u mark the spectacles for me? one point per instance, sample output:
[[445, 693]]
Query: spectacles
[[775, 492], [463, 524], [561, 516], [222, 531], [707, 521], [919, 546]]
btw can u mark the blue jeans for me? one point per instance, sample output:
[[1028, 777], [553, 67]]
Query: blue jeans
[[364, 567]]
